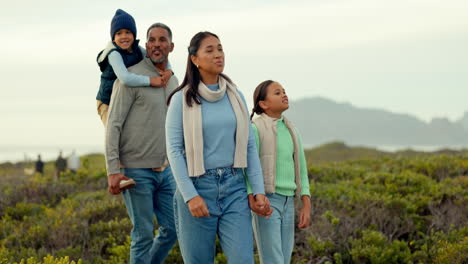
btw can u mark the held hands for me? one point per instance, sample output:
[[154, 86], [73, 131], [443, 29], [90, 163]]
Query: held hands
[[197, 207], [161, 81], [260, 205], [304, 216], [113, 182]]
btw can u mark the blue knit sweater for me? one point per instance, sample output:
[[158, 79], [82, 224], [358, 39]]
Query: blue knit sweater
[[219, 131]]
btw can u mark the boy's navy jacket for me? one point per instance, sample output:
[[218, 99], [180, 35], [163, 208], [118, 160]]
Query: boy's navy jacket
[[108, 76]]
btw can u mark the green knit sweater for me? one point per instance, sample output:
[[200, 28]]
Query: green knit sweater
[[285, 182]]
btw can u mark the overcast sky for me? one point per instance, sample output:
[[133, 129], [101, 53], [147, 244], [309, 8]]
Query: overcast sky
[[405, 56]]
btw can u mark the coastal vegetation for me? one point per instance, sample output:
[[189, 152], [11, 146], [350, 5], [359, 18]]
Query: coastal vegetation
[[368, 207]]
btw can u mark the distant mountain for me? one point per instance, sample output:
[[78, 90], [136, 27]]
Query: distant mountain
[[338, 151], [322, 120]]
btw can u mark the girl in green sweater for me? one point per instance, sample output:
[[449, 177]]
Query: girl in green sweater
[[284, 172]]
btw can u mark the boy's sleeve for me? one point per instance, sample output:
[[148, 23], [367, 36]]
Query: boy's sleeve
[[305, 189], [143, 51], [126, 77]]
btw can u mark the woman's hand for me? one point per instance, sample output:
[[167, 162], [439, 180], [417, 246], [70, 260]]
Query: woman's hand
[[260, 205], [304, 216], [197, 207]]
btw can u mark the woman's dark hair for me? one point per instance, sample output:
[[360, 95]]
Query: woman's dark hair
[[260, 94], [192, 75]]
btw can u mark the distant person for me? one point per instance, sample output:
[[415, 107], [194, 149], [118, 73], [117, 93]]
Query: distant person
[[73, 162], [60, 165], [284, 176], [120, 53], [135, 138], [39, 165]]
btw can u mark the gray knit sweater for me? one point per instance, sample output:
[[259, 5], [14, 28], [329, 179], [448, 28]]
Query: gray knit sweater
[[135, 133]]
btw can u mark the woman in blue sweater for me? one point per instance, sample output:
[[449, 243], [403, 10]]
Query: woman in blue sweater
[[209, 143]]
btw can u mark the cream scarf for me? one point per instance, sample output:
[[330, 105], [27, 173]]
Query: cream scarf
[[192, 123]]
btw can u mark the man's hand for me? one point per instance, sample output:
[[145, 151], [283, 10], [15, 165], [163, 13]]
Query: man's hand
[[113, 182], [166, 75], [304, 217], [260, 205], [162, 80], [197, 207]]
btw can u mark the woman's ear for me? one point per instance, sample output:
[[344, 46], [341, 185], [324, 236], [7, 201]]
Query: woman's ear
[[194, 60]]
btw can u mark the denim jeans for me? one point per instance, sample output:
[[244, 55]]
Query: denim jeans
[[225, 194], [275, 235], [152, 196]]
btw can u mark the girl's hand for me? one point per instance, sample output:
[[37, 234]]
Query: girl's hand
[[197, 207], [304, 216]]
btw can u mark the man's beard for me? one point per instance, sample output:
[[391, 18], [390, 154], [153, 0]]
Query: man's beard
[[158, 61]]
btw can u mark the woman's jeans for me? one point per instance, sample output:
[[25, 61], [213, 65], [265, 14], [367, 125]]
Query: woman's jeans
[[225, 195], [275, 235], [152, 196]]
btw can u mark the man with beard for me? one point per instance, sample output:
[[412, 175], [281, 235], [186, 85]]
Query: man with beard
[[136, 150]]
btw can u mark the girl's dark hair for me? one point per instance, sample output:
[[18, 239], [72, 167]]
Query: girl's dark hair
[[260, 94], [192, 75]]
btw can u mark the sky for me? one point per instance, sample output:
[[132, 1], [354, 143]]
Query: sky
[[404, 56]]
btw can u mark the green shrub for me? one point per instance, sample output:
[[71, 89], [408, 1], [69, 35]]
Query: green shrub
[[49, 260], [373, 247]]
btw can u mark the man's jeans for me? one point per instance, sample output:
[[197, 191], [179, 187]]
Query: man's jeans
[[152, 195], [275, 235], [225, 194]]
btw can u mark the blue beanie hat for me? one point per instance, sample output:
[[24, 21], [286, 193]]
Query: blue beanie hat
[[122, 20]]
